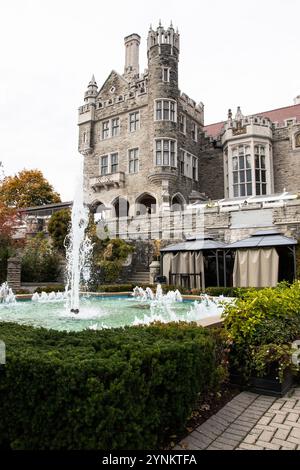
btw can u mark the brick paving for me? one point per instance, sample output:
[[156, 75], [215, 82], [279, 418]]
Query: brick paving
[[251, 422]]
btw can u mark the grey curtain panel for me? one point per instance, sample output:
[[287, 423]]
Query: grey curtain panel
[[256, 268]]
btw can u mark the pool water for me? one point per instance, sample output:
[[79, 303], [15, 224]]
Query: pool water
[[106, 312]]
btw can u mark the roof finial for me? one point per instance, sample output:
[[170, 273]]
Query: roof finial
[[229, 114], [239, 114], [93, 81], [171, 25], [159, 23]]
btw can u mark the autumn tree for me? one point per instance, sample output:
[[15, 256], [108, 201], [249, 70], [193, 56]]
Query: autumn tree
[[58, 227], [27, 188]]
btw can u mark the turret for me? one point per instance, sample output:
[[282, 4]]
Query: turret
[[92, 91]]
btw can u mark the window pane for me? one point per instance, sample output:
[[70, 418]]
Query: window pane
[[166, 158], [264, 189], [242, 177], [235, 163], [235, 190], [248, 172], [158, 158], [235, 177], [262, 150], [242, 163], [248, 161], [262, 161], [235, 152], [172, 146], [166, 145], [242, 190], [249, 189], [256, 161], [256, 149], [158, 145], [263, 176], [258, 189], [241, 150]]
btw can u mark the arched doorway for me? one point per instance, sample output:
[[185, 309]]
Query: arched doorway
[[121, 207], [99, 209], [145, 204], [178, 202]]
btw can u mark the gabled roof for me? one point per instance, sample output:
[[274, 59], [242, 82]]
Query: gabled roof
[[116, 74], [263, 238], [195, 244], [275, 115]]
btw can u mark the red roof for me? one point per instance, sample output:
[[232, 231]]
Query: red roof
[[276, 115]]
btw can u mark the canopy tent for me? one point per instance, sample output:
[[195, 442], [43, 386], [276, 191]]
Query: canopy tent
[[263, 259], [188, 263]]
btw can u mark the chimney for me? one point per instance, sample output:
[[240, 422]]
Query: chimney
[[132, 43], [297, 100]]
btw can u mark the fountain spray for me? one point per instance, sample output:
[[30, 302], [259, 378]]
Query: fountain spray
[[79, 247]]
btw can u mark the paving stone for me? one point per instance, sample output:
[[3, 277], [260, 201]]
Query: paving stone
[[266, 435], [282, 433], [250, 446], [293, 417], [265, 420], [250, 439], [295, 432], [283, 443], [268, 445]]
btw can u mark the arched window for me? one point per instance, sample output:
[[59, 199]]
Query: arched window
[[177, 203], [145, 204], [297, 140]]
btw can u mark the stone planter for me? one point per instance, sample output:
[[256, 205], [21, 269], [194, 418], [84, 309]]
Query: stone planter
[[154, 270], [267, 385]]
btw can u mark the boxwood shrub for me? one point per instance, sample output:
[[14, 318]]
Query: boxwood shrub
[[124, 388]]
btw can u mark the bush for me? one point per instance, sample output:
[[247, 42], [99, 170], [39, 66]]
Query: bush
[[112, 389], [265, 317], [40, 262], [58, 228], [225, 291], [130, 287], [48, 289]]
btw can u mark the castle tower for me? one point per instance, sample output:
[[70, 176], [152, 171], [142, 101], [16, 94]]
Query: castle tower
[[163, 92]]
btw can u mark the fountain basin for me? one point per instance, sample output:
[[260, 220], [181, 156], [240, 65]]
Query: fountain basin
[[109, 310]]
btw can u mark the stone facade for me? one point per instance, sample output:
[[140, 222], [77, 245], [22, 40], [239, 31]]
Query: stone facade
[[146, 149]]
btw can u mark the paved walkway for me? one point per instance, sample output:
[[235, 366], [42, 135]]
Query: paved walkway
[[250, 421]]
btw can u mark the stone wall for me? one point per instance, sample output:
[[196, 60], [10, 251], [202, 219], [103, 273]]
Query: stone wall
[[286, 159]]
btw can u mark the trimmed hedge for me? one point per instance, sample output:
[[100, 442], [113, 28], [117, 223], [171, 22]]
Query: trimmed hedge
[[112, 389]]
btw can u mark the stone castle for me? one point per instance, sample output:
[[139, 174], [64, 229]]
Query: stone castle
[[148, 151]]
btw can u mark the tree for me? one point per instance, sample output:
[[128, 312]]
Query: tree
[[8, 221], [27, 188], [58, 227]]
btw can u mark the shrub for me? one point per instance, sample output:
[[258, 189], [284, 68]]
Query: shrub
[[40, 262], [262, 318], [112, 389], [48, 289]]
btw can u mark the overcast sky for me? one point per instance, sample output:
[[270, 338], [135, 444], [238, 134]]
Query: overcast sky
[[232, 53]]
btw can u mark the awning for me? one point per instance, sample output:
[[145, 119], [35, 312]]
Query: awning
[[263, 238], [197, 243]]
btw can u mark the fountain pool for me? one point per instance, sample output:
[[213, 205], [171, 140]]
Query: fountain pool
[[110, 311]]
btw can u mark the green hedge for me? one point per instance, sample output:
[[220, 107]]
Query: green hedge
[[130, 287], [112, 389]]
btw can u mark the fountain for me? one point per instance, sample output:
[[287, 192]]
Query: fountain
[[79, 248], [6, 294]]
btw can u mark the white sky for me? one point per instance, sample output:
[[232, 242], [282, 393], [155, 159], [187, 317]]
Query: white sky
[[232, 53]]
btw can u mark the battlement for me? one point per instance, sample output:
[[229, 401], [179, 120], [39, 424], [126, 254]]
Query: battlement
[[163, 36]]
